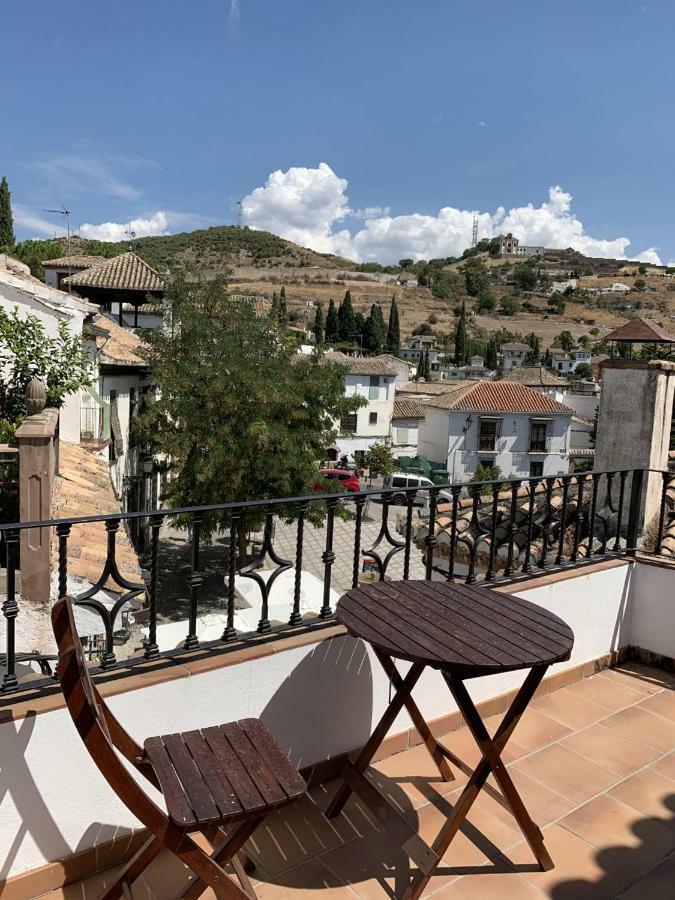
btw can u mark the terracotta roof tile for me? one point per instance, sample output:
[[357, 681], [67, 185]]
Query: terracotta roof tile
[[498, 396], [117, 345], [429, 387], [405, 408], [534, 375], [74, 262], [363, 365], [126, 272], [641, 329]]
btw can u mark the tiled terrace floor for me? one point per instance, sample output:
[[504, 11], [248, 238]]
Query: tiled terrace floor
[[595, 765]]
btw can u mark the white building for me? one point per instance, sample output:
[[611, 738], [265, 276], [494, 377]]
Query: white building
[[405, 424], [568, 362], [475, 369], [496, 423], [417, 346], [374, 379], [513, 354], [541, 380]]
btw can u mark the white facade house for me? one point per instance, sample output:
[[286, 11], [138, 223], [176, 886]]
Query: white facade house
[[374, 379], [497, 423], [417, 346], [475, 369], [568, 362], [513, 354], [405, 424], [540, 379]]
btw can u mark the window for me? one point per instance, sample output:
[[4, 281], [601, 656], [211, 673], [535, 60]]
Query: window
[[489, 430], [538, 437], [402, 435], [536, 469], [398, 481], [348, 424], [372, 418], [374, 388]]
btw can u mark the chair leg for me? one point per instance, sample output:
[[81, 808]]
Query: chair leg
[[135, 867], [224, 853]]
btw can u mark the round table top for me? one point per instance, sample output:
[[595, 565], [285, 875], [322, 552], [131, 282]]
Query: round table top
[[466, 628]]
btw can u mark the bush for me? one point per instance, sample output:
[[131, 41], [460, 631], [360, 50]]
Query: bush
[[432, 319], [509, 306], [423, 328]]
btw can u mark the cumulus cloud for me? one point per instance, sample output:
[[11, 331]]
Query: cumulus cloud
[[308, 206], [157, 223]]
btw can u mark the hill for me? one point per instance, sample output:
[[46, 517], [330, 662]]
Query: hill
[[213, 251]]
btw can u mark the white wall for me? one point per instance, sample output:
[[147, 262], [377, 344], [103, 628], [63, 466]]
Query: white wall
[[318, 700], [432, 441], [409, 446], [652, 609], [382, 405]]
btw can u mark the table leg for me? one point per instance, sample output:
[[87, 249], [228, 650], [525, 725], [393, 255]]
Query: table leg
[[491, 749], [376, 738], [435, 749]]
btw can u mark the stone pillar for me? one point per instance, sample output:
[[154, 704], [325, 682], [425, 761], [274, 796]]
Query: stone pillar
[[634, 421], [37, 466]]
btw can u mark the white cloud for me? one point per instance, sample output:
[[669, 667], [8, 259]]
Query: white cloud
[[650, 255], [306, 204], [157, 223]]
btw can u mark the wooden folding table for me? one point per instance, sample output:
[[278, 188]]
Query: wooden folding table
[[464, 632]]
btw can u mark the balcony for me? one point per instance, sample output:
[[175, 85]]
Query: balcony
[[208, 639]]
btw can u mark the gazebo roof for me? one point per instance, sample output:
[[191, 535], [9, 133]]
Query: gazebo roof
[[124, 272], [641, 330]]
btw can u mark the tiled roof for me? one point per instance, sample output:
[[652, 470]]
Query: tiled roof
[[515, 345], [126, 272], [498, 396], [74, 262], [83, 488], [363, 365], [641, 329], [428, 387], [534, 375], [407, 409], [117, 346]]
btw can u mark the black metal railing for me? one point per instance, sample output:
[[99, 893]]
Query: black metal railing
[[490, 531]]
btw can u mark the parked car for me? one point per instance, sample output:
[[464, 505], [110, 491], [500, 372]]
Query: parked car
[[406, 480], [348, 480]]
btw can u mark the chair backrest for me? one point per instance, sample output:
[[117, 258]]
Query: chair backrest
[[86, 707]]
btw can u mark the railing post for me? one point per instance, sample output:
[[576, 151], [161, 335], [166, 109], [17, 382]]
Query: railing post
[[10, 610], [328, 558], [296, 614], [191, 641], [431, 540], [152, 649], [62, 531], [356, 565], [635, 503], [230, 631]]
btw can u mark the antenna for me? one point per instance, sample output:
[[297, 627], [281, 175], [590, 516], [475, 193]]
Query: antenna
[[240, 215], [131, 235], [474, 231], [64, 212]]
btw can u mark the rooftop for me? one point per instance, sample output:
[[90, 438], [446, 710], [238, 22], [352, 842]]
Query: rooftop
[[594, 762], [641, 329], [364, 365], [126, 272], [116, 345], [407, 409], [537, 376], [498, 396], [74, 262]]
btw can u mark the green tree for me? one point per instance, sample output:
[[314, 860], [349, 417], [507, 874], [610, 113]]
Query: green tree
[[509, 305], [6, 219], [491, 358], [531, 358], [379, 460], [332, 331], [373, 334], [239, 414], [486, 473], [394, 329], [639, 284], [346, 323], [25, 351], [460, 338], [564, 340], [359, 328], [584, 372], [642, 269], [475, 276], [533, 340], [547, 362], [557, 303], [525, 276], [487, 301], [282, 313], [319, 325]]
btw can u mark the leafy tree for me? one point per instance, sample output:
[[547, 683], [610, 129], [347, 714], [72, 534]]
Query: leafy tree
[[423, 366], [379, 460], [359, 327], [239, 414], [331, 332], [422, 328], [274, 310], [394, 329], [642, 269], [531, 358], [509, 305], [525, 276], [585, 341], [487, 301], [547, 361], [460, 338], [583, 371], [346, 323], [475, 277], [61, 362], [6, 220], [406, 263], [639, 284], [486, 473], [283, 309], [491, 358], [564, 340], [557, 303], [533, 340], [319, 324], [374, 336]]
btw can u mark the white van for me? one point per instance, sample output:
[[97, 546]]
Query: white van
[[406, 480]]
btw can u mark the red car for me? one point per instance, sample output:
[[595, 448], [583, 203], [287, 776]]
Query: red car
[[348, 480]]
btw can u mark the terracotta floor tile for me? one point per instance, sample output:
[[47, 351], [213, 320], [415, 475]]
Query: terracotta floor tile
[[636, 842], [570, 709], [567, 773], [607, 693], [311, 877], [649, 792], [581, 871], [490, 886], [543, 804], [659, 677], [663, 704], [373, 866], [631, 678], [657, 885], [607, 748], [666, 765], [648, 728], [354, 820], [534, 730]]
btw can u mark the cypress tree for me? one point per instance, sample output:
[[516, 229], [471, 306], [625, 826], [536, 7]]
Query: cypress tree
[[274, 311], [346, 322], [370, 335], [331, 332], [360, 328], [491, 354], [319, 327], [6, 220], [460, 338], [394, 330], [282, 313], [378, 318]]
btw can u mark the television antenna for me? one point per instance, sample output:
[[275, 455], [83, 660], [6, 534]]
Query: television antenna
[[131, 235], [474, 232], [66, 214]]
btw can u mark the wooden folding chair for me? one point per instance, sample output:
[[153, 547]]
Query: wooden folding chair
[[232, 775]]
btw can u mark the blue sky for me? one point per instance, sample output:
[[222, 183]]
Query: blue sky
[[164, 112]]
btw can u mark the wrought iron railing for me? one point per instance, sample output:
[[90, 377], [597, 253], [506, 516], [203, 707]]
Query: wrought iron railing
[[490, 531]]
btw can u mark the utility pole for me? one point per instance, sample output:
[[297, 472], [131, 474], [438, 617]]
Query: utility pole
[[474, 232], [240, 215], [66, 213]]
